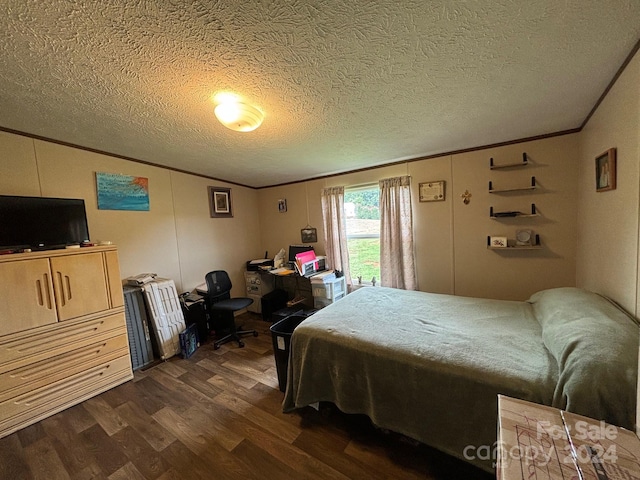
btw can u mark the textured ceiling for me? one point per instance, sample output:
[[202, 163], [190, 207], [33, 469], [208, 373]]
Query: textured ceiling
[[345, 84]]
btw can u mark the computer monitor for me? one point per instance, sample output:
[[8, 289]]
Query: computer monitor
[[296, 249]]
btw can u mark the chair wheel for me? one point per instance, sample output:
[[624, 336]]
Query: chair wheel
[[216, 346], [255, 334], [241, 344]]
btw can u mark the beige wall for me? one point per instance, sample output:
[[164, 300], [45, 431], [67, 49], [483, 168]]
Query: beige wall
[[607, 254], [279, 230], [433, 227], [450, 237], [176, 239]]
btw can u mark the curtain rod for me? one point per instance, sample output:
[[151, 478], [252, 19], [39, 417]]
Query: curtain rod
[[369, 184]]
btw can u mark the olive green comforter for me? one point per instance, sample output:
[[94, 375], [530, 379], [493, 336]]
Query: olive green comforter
[[430, 366]]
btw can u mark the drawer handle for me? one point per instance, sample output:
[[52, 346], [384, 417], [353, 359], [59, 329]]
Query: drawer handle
[[39, 292], [66, 277], [61, 389], [60, 337], [65, 286], [83, 355], [43, 292], [63, 300]]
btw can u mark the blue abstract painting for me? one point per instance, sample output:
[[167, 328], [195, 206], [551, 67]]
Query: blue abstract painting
[[122, 192]]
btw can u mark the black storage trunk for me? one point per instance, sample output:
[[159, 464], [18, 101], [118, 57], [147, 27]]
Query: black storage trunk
[[137, 328], [281, 337]]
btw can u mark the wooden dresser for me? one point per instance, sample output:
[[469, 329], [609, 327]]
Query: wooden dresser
[[63, 336]]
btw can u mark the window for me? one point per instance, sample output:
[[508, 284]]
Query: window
[[362, 212]]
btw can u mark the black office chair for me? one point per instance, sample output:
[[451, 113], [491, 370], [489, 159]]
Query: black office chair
[[221, 307]]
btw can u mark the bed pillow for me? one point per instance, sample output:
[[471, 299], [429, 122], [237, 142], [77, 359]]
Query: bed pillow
[[596, 346]]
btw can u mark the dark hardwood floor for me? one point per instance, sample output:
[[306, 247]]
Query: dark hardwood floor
[[216, 415]]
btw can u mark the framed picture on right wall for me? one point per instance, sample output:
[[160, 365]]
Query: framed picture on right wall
[[606, 171]]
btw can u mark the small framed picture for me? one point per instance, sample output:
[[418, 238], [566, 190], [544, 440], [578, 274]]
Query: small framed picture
[[498, 242], [606, 171], [282, 205], [432, 191], [309, 235], [220, 202]]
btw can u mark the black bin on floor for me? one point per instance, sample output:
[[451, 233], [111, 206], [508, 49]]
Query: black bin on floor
[[281, 336]]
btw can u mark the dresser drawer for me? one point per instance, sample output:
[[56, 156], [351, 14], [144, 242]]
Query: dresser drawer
[[22, 349], [30, 407], [36, 375]]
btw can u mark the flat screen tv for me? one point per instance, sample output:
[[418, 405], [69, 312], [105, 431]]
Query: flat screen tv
[[42, 223]]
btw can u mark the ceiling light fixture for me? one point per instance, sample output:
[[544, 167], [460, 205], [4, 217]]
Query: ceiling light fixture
[[238, 116]]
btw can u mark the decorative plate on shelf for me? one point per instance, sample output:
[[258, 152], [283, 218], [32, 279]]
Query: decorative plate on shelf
[[523, 237]]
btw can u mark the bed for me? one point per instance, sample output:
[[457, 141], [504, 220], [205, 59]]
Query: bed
[[430, 366]]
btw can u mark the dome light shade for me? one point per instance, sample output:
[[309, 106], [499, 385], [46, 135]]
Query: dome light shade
[[238, 116]]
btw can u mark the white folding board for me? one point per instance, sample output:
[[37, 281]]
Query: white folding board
[[166, 318]]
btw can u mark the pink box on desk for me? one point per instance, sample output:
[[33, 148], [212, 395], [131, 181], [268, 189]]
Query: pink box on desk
[[305, 257], [306, 263]]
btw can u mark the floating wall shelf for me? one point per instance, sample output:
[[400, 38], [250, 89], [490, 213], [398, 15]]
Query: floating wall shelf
[[533, 186], [523, 163], [534, 246], [513, 214]]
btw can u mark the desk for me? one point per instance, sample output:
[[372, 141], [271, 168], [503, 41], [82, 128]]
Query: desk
[[295, 285]]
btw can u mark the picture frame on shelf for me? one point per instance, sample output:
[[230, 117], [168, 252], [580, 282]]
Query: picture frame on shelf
[[498, 242], [606, 171], [432, 191], [220, 202]]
